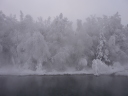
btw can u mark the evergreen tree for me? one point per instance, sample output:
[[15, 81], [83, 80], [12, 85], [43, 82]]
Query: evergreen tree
[[102, 51]]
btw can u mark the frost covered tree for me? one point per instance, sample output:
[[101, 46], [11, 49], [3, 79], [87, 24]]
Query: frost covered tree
[[102, 52], [33, 52], [21, 16], [53, 42], [59, 34], [8, 24], [82, 64], [79, 25], [60, 60]]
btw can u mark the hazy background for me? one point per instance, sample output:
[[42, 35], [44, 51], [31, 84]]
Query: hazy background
[[73, 9]]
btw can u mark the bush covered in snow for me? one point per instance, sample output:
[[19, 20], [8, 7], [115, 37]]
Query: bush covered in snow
[[99, 67]]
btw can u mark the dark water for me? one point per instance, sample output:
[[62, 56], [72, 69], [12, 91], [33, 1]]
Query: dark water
[[75, 85]]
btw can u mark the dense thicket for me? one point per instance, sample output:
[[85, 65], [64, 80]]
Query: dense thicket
[[53, 44]]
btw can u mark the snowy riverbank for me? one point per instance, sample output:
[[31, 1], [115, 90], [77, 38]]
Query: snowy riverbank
[[20, 72]]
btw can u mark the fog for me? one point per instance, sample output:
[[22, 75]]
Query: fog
[[63, 37], [73, 9]]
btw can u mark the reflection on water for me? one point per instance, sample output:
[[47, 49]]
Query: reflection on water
[[75, 85]]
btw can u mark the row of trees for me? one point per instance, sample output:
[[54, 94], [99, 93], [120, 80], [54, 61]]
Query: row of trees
[[53, 44]]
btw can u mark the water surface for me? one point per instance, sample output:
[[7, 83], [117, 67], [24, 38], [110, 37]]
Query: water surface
[[71, 85]]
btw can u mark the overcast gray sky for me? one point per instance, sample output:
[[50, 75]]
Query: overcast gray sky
[[73, 9]]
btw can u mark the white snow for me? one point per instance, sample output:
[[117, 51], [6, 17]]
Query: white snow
[[39, 72], [98, 68]]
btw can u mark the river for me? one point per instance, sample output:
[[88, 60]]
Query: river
[[64, 85]]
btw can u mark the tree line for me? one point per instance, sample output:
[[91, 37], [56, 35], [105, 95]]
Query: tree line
[[53, 44]]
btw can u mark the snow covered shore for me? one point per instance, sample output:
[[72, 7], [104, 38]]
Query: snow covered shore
[[19, 72]]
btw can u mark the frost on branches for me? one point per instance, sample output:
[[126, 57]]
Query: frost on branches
[[33, 52], [102, 51], [98, 64]]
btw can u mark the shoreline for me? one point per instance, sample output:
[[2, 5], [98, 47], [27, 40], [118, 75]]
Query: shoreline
[[64, 74]]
